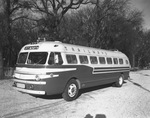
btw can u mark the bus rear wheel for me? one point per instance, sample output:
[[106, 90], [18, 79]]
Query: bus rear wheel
[[120, 81], [71, 91]]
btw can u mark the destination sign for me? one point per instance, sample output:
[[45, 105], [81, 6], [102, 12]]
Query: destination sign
[[31, 47]]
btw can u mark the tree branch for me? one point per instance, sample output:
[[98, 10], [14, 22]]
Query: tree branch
[[20, 17], [36, 7]]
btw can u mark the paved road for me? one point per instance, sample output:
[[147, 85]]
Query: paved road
[[132, 100]]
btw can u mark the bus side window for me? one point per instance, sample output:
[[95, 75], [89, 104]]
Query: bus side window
[[71, 59], [127, 62], [115, 60], [109, 60], [120, 61], [93, 60], [102, 60], [55, 58], [83, 59]]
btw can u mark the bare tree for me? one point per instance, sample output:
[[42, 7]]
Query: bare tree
[[52, 11], [11, 11], [142, 56], [110, 25], [135, 33], [3, 31]]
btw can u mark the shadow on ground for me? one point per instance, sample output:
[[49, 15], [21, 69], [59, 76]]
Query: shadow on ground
[[22, 113], [136, 84], [82, 91], [97, 116], [59, 96], [87, 90], [97, 88]]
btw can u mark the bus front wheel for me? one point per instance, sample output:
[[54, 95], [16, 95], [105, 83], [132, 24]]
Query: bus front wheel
[[71, 91]]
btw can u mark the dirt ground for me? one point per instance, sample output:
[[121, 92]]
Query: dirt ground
[[132, 100]]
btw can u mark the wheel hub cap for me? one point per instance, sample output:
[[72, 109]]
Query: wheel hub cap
[[72, 90]]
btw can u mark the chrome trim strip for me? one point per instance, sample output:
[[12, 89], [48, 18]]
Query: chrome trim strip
[[33, 77], [40, 71], [30, 82]]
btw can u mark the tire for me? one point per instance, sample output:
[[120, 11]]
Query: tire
[[71, 90], [120, 81]]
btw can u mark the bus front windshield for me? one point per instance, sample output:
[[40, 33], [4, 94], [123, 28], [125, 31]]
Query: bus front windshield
[[33, 58]]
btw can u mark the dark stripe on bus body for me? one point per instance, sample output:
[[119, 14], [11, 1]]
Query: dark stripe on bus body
[[111, 67], [122, 70]]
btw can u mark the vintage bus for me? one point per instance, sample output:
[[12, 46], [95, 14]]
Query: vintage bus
[[48, 68]]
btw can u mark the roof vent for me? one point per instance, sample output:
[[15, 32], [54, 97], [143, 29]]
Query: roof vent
[[55, 45], [58, 41]]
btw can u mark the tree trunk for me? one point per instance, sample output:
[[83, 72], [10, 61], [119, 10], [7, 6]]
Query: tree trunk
[[133, 60], [1, 63], [139, 60]]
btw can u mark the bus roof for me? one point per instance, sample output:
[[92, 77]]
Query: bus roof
[[56, 46]]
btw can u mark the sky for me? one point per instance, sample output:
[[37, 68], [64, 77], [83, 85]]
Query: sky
[[143, 5]]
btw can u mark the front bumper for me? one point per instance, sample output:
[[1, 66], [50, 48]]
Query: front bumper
[[30, 87], [35, 92]]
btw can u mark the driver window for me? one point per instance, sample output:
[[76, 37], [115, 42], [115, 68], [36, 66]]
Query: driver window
[[55, 58]]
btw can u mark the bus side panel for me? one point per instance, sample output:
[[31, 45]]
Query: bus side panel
[[84, 74], [88, 79], [57, 85]]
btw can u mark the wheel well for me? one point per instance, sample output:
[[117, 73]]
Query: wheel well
[[77, 80], [122, 74]]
